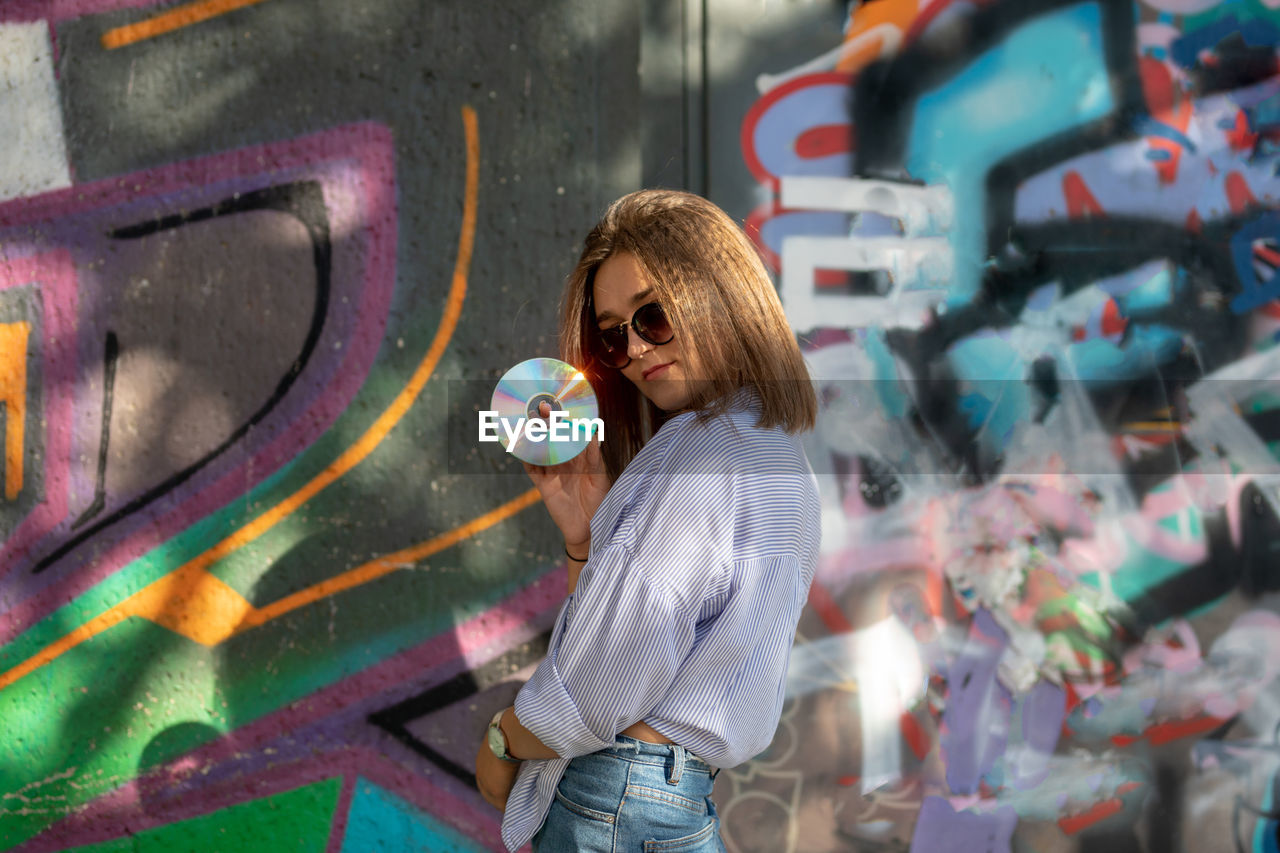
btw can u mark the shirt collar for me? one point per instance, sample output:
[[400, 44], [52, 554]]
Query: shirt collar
[[745, 400]]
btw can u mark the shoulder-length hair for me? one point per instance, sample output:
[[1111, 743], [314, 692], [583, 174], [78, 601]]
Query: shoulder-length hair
[[711, 282]]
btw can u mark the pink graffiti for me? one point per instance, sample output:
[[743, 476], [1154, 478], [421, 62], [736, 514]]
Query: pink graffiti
[[351, 162], [54, 275]]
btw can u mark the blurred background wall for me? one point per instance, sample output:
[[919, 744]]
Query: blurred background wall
[[258, 256]]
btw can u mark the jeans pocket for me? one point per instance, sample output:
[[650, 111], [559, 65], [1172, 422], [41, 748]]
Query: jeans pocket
[[704, 839], [571, 827], [698, 807], [672, 822], [584, 811]]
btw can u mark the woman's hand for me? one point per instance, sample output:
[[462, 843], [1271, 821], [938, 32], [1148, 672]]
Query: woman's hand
[[572, 491], [494, 777]]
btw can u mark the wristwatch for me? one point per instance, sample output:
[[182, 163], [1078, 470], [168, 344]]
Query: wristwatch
[[497, 739]]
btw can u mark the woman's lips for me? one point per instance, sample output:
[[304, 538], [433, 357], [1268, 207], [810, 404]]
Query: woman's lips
[[654, 371]]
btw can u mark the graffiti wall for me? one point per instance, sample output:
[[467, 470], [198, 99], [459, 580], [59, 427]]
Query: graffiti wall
[[1031, 250], [251, 601], [253, 253]]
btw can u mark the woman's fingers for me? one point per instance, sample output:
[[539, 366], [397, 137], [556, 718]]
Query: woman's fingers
[[593, 458], [590, 461]]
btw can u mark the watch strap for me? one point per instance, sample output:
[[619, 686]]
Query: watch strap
[[497, 739]]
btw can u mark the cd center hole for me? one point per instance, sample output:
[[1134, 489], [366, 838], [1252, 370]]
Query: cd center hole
[[537, 400]]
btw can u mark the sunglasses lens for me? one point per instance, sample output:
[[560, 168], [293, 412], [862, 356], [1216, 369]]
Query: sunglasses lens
[[612, 349], [652, 324]]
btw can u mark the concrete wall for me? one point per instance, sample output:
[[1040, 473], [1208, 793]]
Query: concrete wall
[[255, 257], [253, 597]]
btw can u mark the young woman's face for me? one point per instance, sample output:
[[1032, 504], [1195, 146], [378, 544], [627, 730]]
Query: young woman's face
[[664, 373]]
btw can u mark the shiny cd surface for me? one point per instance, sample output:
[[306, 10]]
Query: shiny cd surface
[[528, 436]]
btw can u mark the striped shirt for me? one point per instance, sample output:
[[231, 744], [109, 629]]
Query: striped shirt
[[686, 610]]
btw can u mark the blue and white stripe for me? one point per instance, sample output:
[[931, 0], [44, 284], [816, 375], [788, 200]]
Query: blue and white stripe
[[685, 612]]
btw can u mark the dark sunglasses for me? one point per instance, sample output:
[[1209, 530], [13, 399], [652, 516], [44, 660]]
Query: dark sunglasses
[[650, 323]]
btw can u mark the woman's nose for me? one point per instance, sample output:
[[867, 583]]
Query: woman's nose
[[636, 345]]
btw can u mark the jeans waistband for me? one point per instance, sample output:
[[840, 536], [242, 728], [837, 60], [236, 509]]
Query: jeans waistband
[[661, 754]]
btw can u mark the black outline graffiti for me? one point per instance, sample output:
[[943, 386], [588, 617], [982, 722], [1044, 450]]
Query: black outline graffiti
[[885, 92], [1076, 254], [110, 356], [302, 199], [394, 719], [1026, 256]]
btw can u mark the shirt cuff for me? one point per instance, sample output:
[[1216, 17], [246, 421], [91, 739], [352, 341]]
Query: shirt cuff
[[545, 708]]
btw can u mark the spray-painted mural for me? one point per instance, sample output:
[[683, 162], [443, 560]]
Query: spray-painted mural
[[252, 597], [1032, 249], [253, 251]]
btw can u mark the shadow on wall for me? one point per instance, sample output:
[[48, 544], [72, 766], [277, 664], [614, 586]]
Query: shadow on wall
[[1045, 615], [243, 563]]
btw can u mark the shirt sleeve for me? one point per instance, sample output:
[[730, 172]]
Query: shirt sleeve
[[614, 653]]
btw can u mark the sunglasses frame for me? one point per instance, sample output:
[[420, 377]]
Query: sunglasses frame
[[600, 347]]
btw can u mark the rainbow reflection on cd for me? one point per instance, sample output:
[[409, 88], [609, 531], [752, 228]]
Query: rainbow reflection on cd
[[518, 396]]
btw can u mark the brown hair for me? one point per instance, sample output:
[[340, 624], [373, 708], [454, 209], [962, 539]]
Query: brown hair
[[709, 279]]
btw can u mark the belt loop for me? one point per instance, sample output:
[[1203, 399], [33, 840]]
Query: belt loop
[[677, 764]]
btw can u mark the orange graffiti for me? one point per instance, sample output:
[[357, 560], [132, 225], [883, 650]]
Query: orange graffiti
[[389, 563], [1168, 104], [1239, 196], [192, 602], [875, 30], [1101, 810], [1080, 202], [13, 391], [174, 19], [1240, 137]]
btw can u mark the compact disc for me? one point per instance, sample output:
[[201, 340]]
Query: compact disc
[[574, 413]]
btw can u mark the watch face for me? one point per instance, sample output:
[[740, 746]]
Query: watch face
[[497, 742]]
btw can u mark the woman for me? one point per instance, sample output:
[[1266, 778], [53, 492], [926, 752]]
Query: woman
[[692, 534]]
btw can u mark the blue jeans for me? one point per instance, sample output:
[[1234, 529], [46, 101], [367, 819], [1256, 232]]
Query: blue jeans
[[632, 797]]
